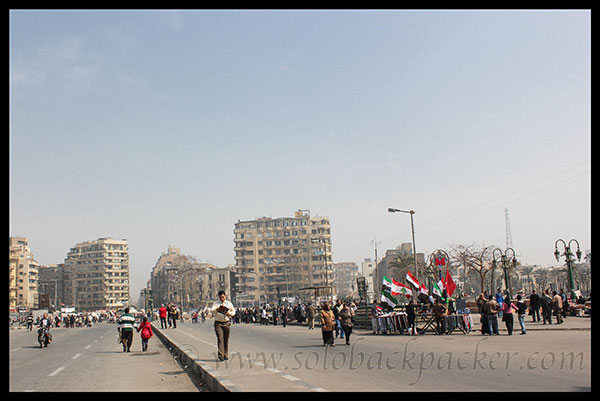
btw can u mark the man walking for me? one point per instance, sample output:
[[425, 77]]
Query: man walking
[[311, 312], [222, 311], [126, 322]]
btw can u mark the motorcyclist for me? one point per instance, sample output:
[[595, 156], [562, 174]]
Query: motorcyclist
[[45, 324]]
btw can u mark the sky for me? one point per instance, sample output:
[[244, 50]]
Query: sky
[[166, 127]]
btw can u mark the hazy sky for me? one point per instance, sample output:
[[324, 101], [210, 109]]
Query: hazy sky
[[166, 127]]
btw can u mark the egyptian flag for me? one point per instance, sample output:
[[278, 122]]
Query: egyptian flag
[[412, 279], [450, 286]]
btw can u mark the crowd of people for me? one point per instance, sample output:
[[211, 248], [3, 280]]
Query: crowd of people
[[499, 306]]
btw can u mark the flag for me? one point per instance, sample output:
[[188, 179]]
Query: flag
[[388, 299], [438, 288], [402, 289], [450, 286], [395, 288], [387, 284], [412, 279], [423, 289]]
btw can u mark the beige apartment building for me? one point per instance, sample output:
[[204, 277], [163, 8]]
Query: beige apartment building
[[282, 257], [97, 275], [22, 275]]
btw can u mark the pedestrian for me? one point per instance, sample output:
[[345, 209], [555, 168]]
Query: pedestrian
[[146, 332], [126, 325], [565, 303], [546, 302], [346, 318], [222, 311], [310, 313], [283, 315], [439, 311], [338, 323], [500, 300], [507, 315], [327, 324], [557, 306], [173, 314], [30, 321], [491, 311], [521, 311], [481, 300], [534, 305], [374, 312], [410, 314], [162, 313]]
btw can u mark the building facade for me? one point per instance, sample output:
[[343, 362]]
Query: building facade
[[344, 279], [97, 275], [282, 257], [182, 280], [22, 275]]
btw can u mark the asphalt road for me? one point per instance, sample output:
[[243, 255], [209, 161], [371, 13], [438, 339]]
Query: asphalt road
[[274, 358], [90, 359]]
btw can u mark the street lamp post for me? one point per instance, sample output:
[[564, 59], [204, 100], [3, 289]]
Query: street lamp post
[[569, 257], [505, 266], [412, 226]]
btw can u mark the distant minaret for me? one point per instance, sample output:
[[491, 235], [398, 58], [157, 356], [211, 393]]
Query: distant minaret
[[508, 234]]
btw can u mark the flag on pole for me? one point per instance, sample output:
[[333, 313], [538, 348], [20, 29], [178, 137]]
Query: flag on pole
[[450, 286], [412, 279], [388, 299], [387, 284], [438, 289], [423, 289]]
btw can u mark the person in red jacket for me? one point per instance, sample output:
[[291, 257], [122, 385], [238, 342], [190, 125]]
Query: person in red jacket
[[146, 332], [162, 313]]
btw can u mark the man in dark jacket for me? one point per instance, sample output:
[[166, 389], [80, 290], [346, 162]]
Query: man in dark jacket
[[534, 305], [546, 308]]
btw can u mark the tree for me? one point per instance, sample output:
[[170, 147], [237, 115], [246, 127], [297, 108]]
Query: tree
[[400, 265], [475, 258]]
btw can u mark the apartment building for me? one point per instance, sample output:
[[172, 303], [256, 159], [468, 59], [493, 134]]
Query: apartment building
[[97, 275], [279, 257], [344, 279], [183, 280], [22, 275]]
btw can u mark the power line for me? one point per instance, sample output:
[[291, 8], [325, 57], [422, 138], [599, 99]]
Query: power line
[[435, 222]]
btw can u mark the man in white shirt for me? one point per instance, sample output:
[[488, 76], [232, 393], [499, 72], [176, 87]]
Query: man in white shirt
[[222, 311]]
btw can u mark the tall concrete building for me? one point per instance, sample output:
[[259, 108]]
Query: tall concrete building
[[277, 257], [22, 275], [97, 275]]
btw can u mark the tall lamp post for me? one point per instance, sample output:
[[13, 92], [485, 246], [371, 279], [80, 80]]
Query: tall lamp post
[[412, 226], [505, 266], [569, 257]]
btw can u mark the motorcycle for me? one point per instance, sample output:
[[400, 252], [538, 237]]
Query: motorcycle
[[44, 337]]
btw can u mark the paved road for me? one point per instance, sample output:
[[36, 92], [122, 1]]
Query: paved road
[[273, 358], [89, 359]]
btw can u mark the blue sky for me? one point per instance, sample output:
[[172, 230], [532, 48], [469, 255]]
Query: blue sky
[[166, 127]]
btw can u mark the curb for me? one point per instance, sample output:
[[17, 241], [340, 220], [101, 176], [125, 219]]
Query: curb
[[199, 368]]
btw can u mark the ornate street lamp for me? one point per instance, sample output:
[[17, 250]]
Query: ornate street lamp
[[569, 257], [505, 266]]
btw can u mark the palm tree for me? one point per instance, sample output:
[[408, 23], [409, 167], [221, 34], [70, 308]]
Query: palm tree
[[399, 266]]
